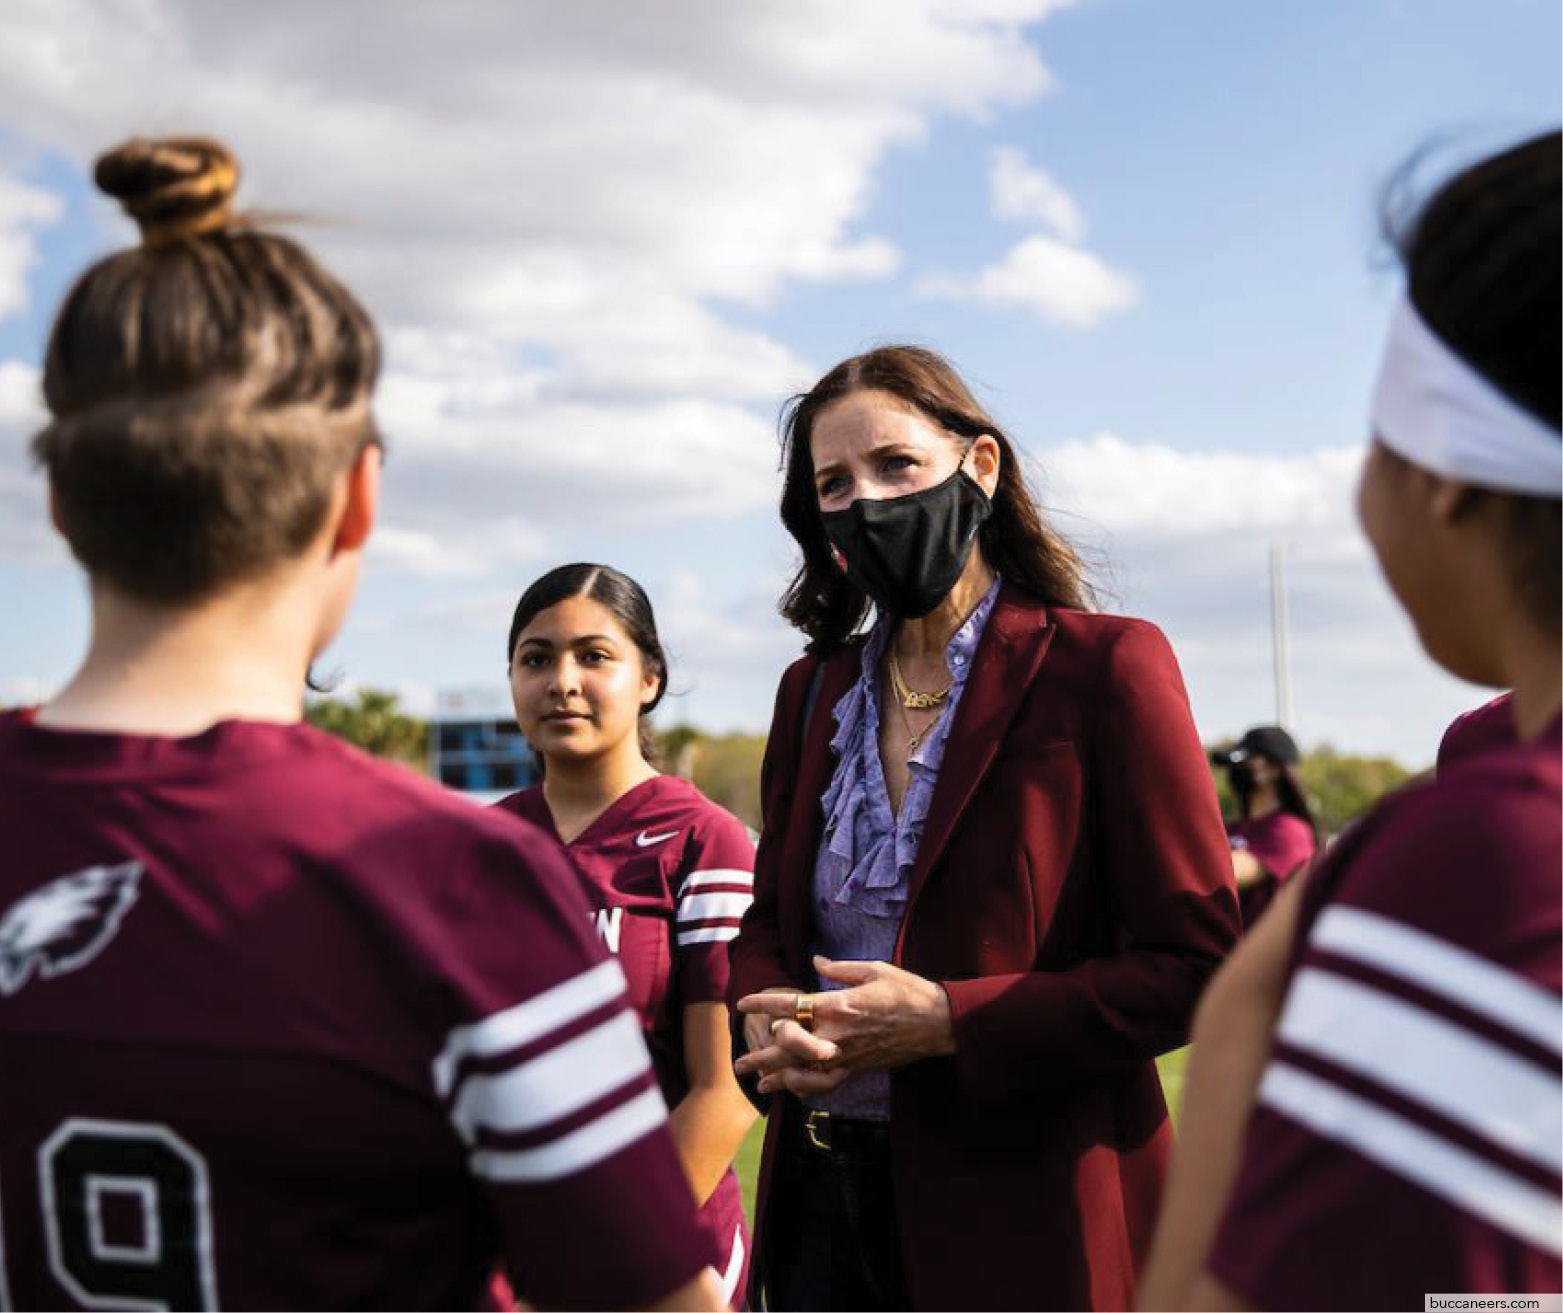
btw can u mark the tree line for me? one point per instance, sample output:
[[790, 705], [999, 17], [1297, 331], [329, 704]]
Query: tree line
[[1341, 786]]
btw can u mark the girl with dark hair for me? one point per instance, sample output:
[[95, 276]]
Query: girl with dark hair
[[265, 1037], [1274, 834], [991, 879], [1374, 1107], [668, 873]]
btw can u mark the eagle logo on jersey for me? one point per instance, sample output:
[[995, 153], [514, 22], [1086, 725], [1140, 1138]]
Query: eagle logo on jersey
[[66, 924]]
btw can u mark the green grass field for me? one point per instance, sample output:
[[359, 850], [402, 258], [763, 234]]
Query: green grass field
[[1172, 1067]]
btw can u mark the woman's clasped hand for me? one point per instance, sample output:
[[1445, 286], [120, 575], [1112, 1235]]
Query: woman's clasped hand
[[882, 1017]]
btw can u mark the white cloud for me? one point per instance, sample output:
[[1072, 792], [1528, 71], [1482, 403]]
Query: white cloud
[[1184, 538], [738, 631], [1000, 11], [24, 210], [1048, 273], [1154, 488], [25, 533], [466, 451], [1058, 283], [1020, 190], [723, 149], [22, 691], [553, 209], [456, 551], [1193, 529], [727, 648], [21, 401]]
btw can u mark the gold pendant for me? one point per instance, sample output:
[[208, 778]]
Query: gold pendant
[[910, 698]]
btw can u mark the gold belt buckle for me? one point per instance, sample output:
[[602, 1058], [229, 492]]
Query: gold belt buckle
[[817, 1127]]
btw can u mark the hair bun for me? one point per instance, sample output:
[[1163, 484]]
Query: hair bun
[[174, 188]]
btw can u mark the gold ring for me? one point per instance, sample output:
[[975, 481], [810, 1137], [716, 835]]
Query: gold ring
[[803, 1010]]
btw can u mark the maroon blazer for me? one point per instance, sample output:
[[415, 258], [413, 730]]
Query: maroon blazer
[[1073, 892]]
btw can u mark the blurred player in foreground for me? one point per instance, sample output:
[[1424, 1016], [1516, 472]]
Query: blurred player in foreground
[[1374, 1110], [280, 1026]]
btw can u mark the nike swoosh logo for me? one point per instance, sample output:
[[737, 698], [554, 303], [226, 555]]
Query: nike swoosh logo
[[645, 839]]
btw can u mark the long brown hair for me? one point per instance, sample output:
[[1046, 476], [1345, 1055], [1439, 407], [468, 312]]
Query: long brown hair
[[206, 387], [1016, 540]]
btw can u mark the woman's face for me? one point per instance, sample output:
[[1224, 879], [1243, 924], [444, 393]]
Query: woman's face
[[1254, 775], [871, 446], [578, 681]]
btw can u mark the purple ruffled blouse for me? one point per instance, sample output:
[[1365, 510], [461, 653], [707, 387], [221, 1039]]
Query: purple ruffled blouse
[[863, 869]]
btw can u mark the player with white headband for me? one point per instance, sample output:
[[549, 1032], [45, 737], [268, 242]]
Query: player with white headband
[[1374, 1111]]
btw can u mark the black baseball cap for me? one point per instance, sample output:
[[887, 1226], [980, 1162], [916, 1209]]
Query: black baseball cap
[[1270, 741]]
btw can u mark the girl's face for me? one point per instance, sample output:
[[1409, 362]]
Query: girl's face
[[1412, 521], [871, 446], [578, 681], [1384, 509]]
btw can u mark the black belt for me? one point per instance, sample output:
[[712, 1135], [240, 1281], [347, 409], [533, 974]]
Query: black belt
[[830, 1134]]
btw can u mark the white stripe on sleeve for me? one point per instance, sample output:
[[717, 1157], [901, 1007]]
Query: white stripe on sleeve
[[1406, 1149], [734, 1268], [708, 935], [712, 907], [580, 1149], [711, 934], [1445, 969], [555, 1083], [1429, 1059], [530, 1020], [699, 879]]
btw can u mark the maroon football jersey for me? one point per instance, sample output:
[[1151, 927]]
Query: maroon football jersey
[[1490, 725], [669, 875], [1408, 1134], [285, 1027]]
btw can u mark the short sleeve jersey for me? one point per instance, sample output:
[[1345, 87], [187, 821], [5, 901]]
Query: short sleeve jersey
[[1281, 843], [266, 1041], [1408, 1132], [669, 875]]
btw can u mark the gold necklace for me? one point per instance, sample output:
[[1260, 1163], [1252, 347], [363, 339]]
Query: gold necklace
[[912, 740], [910, 698]]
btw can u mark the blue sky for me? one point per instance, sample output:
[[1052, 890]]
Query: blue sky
[[605, 244]]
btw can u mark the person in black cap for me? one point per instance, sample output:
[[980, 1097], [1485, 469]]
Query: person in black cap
[[1275, 834]]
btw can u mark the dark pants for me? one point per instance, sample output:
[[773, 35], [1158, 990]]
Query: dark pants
[[837, 1245]]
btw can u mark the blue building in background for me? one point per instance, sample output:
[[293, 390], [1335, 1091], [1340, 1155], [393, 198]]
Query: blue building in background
[[477, 749]]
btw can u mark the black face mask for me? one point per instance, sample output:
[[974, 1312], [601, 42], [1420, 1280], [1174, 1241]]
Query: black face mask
[[907, 552]]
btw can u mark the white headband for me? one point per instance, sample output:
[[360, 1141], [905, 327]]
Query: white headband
[[1439, 413]]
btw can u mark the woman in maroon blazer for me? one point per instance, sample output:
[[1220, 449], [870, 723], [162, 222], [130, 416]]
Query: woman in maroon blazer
[[991, 883]]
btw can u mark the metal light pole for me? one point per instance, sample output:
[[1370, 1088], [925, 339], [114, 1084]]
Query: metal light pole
[[1281, 636]]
